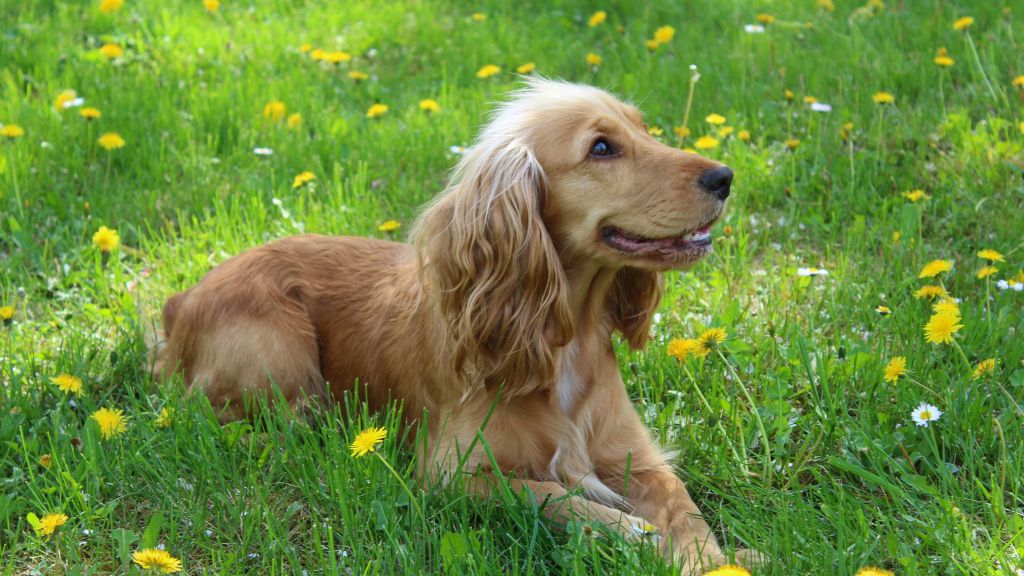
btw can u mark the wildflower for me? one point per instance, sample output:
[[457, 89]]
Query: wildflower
[[765, 18], [810, 99], [896, 237], [962, 24], [260, 151], [112, 422], [728, 570], [895, 368], [846, 130], [706, 143], [987, 271], [942, 58], [303, 178], [66, 99], [991, 255], [389, 226], [109, 6], [924, 415], [935, 267], [157, 559], [367, 441], [68, 384], [826, 5], [872, 571], [792, 143], [753, 29], [652, 45], [789, 95], [6, 313], [305, 47], [820, 107], [710, 339], [318, 54], [46, 461], [941, 327], [984, 367], [680, 349], [593, 59], [1011, 284], [12, 131], [111, 141], [947, 306], [526, 68], [655, 131], [211, 5], [597, 18], [48, 524], [336, 57], [715, 119], [377, 110], [106, 239], [164, 418], [743, 135], [930, 291], [111, 51], [681, 131], [725, 131], [479, 16], [294, 120], [487, 71], [883, 97], [915, 196], [429, 105], [664, 35], [1019, 81], [883, 310], [90, 113], [274, 110], [811, 272], [358, 76]]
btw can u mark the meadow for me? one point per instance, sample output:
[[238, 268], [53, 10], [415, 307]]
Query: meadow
[[864, 416]]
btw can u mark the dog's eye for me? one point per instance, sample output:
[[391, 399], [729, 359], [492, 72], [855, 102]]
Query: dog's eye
[[601, 148]]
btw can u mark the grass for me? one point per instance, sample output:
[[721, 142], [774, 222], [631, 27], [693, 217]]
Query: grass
[[838, 478]]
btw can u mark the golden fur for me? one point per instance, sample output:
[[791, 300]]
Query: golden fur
[[512, 286]]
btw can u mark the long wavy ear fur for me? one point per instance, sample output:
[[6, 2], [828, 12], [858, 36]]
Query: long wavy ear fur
[[633, 299], [493, 271]]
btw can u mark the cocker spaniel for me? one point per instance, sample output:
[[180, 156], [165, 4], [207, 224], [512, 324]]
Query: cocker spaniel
[[551, 236]]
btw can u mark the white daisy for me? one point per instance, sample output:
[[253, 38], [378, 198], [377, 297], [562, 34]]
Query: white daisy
[[753, 29], [263, 151], [821, 107], [925, 413], [811, 272]]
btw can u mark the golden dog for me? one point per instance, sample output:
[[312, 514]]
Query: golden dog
[[552, 235]]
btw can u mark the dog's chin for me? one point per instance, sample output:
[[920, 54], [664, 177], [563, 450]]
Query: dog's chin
[[661, 253]]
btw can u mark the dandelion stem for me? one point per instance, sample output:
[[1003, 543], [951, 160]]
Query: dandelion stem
[[753, 410], [977, 62], [408, 492], [718, 423], [963, 356]]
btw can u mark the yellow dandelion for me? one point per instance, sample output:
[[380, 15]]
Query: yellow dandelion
[[706, 143], [810, 99], [597, 18], [1019, 81], [725, 131], [915, 196], [984, 367], [593, 59], [728, 570], [111, 51], [487, 71], [165, 418], [789, 95], [429, 105], [681, 131], [942, 58], [715, 119], [846, 130], [367, 441], [157, 559], [274, 110], [12, 131], [709, 340], [655, 131], [336, 57], [305, 47], [680, 348], [935, 267], [479, 16], [377, 110], [987, 271], [110, 6], [294, 121], [930, 292], [652, 45], [111, 141], [48, 524], [882, 97], [526, 68], [112, 422], [389, 226], [6, 313], [46, 461], [68, 384], [664, 35], [946, 306], [792, 143], [826, 5], [873, 571], [64, 99], [358, 76], [941, 327], [303, 178], [317, 53], [883, 310], [991, 255], [211, 5], [743, 135], [962, 24], [765, 18], [106, 239], [896, 368], [90, 113]]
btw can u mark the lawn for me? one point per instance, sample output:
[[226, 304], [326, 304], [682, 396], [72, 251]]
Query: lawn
[[877, 150]]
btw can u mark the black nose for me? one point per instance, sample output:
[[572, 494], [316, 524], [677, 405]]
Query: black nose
[[717, 181]]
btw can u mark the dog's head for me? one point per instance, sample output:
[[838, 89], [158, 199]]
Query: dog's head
[[564, 178]]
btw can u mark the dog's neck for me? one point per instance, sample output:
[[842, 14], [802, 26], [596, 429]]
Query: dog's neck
[[589, 288]]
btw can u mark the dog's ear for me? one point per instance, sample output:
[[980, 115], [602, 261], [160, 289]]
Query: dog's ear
[[633, 299], [493, 271]]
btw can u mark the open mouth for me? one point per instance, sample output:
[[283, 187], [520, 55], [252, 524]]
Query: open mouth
[[687, 247]]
